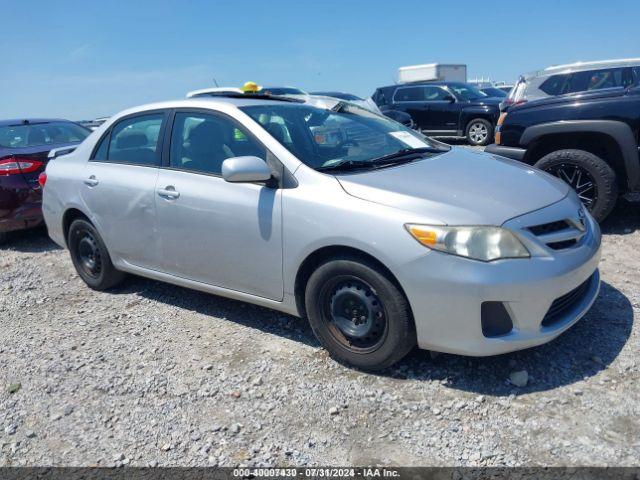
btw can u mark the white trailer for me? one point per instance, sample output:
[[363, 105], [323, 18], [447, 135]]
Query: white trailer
[[433, 72]]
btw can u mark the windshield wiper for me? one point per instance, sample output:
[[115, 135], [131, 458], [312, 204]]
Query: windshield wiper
[[404, 155], [347, 165]]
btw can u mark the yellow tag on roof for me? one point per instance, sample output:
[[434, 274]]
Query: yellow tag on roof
[[250, 87]]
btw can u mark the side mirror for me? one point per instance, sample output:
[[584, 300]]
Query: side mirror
[[450, 98], [245, 170]]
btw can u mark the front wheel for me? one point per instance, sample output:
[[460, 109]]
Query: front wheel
[[90, 256], [359, 315], [479, 132], [591, 177]]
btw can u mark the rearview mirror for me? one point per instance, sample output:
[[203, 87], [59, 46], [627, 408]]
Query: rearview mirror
[[245, 170]]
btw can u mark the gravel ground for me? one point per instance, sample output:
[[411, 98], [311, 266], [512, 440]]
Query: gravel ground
[[153, 374]]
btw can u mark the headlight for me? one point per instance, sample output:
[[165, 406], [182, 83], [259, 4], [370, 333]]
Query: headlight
[[480, 243]]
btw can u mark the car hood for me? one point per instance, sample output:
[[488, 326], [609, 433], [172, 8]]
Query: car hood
[[487, 101], [460, 187]]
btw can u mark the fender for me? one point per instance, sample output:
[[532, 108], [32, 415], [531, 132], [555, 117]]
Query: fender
[[619, 131], [477, 111]]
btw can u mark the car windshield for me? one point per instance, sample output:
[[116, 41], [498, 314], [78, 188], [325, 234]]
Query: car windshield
[[467, 92], [344, 135], [281, 91], [37, 134]]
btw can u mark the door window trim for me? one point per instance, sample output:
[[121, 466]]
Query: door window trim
[[277, 167], [159, 146]]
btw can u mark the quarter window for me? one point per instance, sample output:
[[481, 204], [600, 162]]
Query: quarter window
[[133, 140], [201, 142], [410, 94]]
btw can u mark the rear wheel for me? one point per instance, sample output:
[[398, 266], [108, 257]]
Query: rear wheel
[[590, 176], [358, 314], [479, 132], [90, 256]]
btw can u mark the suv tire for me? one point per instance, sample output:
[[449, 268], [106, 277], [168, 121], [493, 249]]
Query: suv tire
[[589, 175], [90, 256], [479, 132], [359, 315]]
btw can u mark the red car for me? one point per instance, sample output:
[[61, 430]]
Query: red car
[[24, 146]]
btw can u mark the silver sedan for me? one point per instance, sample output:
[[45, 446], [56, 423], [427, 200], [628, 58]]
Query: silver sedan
[[384, 239]]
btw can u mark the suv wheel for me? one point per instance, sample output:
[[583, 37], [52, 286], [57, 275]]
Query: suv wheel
[[479, 132], [590, 176], [358, 314], [90, 256]]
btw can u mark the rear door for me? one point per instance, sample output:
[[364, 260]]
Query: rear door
[[411, 99], [119, 187]]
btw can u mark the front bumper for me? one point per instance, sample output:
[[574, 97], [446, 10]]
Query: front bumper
[[446, 293]]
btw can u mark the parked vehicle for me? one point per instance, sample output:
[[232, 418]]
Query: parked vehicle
[[574, 78], [589, 140], [24, 146], [212, 91], [288, 91], [494, 92], [93, 124], [383, 242], [349, 97], [444, 109], [438, 72]]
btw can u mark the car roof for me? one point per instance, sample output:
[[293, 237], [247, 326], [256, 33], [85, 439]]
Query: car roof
[[26, 121], [426, 82], [204, 102], [583, 66]]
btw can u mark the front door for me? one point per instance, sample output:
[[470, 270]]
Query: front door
[[119, 188], [444, 110], [223, 234]]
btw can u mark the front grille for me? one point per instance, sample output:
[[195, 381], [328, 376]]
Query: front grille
[[560, 234], [564, 303], [552, 227]]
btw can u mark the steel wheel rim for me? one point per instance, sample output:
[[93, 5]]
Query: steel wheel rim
[[353, 313], [88, 254], [579, 179], [478, 132]]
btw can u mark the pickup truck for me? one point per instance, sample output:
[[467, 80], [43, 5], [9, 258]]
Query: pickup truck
[[589, 140]]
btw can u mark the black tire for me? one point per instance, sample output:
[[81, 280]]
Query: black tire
[[90, 256], [479, 132], [390, 331], [3, 237], [589, 175]]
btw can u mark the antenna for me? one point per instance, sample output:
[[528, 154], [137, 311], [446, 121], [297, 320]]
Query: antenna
[[215, 82]]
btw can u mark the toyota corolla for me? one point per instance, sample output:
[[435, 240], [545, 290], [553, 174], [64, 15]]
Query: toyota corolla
[[383, 238]]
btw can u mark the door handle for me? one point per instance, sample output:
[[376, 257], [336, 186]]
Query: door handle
[[168, 192], [92, 181]]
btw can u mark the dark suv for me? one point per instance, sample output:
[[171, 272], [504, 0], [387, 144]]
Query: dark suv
[[444, 109], [589, 140]]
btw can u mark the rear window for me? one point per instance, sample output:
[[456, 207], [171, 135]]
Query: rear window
[[37, 134], [409, 94]]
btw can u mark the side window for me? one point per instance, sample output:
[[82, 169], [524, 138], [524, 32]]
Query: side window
[[409, 94], [100, 154], [554, 85], [433, 94], [134, 140], [201, 142]]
